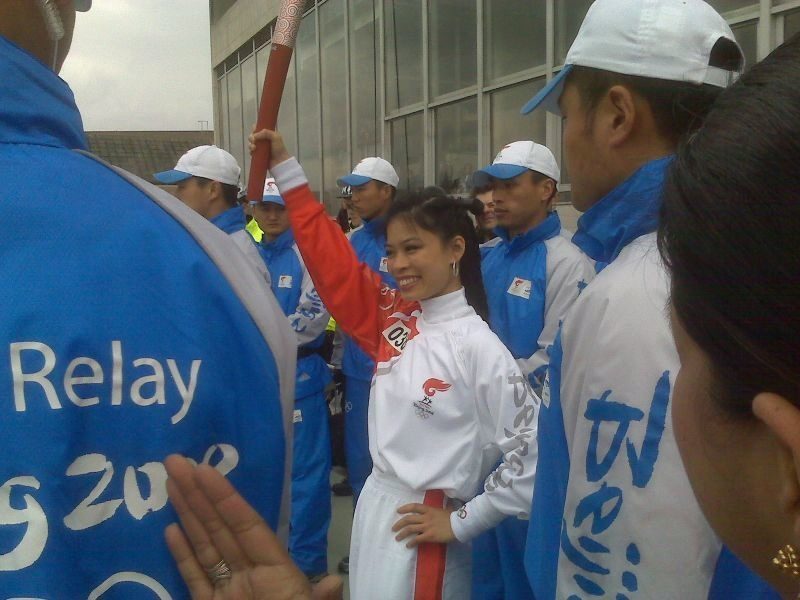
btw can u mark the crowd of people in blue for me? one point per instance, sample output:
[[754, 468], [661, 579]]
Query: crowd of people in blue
[[529, 412]]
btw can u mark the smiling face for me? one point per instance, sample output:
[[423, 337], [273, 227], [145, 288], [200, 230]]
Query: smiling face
[[488, 220], [420, 261]]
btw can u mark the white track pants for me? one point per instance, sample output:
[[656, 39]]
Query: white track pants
[[382, 568]]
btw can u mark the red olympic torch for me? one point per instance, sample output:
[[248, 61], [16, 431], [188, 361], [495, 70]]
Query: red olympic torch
[[283, 39]]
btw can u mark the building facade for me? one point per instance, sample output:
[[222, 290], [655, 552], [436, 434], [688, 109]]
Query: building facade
[[434, 86]]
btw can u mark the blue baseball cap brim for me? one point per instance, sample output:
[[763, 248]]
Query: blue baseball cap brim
[[499, 171], [549, 95], [353, 180], [172, 176], [274, 199]]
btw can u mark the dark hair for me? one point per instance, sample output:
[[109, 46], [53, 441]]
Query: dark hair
[[447, 217], [539, 178], [729, 234], [230, 193], [678, 107], [481, 189], [343, 220]]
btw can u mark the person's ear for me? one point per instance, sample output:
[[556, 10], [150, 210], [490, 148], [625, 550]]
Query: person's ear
[[548, 191], [215, 190], [457, 247], [782, 418], [617, 115]]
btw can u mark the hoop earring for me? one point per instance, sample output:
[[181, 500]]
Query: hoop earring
[[456, 268]]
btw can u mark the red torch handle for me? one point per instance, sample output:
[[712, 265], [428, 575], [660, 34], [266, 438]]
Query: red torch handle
[[277, 69]]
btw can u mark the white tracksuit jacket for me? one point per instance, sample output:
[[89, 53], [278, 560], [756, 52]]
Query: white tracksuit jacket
[[447, 399]]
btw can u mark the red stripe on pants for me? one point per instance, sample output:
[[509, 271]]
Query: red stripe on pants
[[431, 558]]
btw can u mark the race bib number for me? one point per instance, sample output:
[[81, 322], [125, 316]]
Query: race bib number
[[520, 287], [285, 281], [397, 335]]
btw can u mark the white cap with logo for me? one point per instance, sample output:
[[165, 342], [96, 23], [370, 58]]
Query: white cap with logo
[[660, 39], [369, 168], [271, 193], [210, 162], [516, 158]]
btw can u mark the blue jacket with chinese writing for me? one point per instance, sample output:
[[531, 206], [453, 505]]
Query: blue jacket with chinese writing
[[613, 513], [138, 331], [369, 242], [531, 281], [300, 303]]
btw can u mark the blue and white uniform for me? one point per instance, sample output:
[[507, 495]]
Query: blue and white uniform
[[126, 339], [613, 513], [311, 463], [234, 223], [531, 281], [369, 243]]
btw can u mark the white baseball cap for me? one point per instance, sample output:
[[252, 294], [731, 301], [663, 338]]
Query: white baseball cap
[[371, 168], [204, 161], [82, 5], [271, 194], [661, 39], [516, 158]]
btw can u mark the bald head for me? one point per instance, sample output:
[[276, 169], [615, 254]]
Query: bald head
[[24, 23]]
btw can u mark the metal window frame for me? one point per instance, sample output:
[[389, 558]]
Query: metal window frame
[[778, 14], [770, 29]]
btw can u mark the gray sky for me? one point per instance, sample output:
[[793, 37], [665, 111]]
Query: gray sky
[[142, 65]]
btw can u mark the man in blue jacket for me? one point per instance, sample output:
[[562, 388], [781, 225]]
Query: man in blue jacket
[[207, 180], [613, 513], [311, 463], [532, 275], [126, 339], [373, 184]]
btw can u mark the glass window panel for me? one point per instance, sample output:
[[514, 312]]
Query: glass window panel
[[723, 6], [747, 36], [308, 102], [791, 25], [334, 99], [262, 60], [287, 115], [403, 37], [363, 76], [249, 105], [223, 111], [453, 45], [236, 139], [569, 16], [514, 36], [408, 151], [507, 124], [456, 145]]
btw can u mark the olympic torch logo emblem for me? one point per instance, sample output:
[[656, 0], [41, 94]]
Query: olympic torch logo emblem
[[424, 407]]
